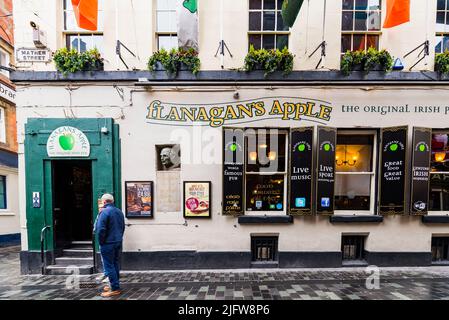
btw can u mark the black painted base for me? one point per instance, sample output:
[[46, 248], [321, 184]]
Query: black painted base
[[193, 260]]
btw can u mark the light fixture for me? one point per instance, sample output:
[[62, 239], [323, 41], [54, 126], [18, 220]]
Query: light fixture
[[263, 146], [272, 155], [346, 162], [253, 156], [440, 156]]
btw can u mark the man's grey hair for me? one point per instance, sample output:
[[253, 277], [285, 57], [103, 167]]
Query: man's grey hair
[[108, 198]]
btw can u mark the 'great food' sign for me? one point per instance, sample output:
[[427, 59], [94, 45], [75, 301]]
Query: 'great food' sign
[[68, 142]]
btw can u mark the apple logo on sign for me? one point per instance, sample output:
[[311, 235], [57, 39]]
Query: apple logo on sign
[[67, 142]]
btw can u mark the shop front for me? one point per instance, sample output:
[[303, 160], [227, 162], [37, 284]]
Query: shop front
[[255, 176]]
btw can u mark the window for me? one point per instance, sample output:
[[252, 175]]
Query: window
[[442, 29], [3, 192], [166, 24], [266, 27], [266, 170], [440, 249], [353, 247], [264, 248], [80, 39], [360, 25], [4, 61], [439, 172], [2, 125], [354, 179]]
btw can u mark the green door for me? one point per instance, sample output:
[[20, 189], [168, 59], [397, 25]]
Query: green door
[[103, 163]]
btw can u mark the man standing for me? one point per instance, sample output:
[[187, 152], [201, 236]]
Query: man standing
[[109, 228]]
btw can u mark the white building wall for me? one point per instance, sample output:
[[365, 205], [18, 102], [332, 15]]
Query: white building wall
[[136, 26], [9, 218], [223, 233]]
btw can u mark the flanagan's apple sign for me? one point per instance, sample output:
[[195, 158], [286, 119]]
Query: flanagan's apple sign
[[68, 142]]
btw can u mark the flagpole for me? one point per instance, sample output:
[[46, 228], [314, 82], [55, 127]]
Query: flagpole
[[116, 34], [324, 30], [221, 35]]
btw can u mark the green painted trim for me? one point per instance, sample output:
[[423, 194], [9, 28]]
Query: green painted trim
[[105, 157]]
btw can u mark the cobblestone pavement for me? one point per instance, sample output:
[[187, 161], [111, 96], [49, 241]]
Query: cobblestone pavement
[[308, 284]]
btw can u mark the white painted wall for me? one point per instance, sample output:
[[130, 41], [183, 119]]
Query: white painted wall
[[9, 217], [136, 29], [222, 233]]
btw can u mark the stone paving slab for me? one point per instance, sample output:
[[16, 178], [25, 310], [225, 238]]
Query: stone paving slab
[[259, 284]]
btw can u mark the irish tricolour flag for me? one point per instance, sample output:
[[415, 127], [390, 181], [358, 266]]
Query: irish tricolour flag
[[187, 11]]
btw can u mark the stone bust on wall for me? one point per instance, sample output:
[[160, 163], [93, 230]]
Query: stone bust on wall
[[169, 158]]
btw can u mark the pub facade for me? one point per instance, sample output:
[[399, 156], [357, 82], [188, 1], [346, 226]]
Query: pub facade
[[229, 167]]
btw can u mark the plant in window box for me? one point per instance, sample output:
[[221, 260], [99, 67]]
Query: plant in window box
[[269, 60], [442, 62], [175, 60], [369, 60], [70, 61]]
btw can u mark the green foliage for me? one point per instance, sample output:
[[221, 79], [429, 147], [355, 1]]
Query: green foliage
[[442, 62], [69, 61], [269, 60], [171, 61], [367, 60]]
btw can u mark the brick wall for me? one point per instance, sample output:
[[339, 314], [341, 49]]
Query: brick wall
[[6, 23]]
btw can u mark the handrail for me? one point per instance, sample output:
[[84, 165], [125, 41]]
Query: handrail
[[94, 252], [43, 261]]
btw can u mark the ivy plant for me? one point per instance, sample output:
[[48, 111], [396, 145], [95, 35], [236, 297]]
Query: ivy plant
[[172, 60], [70, 61], [269, 60], [366, 60], [442, 62]]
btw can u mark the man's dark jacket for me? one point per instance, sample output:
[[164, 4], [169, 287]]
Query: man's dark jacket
[[110, 225]]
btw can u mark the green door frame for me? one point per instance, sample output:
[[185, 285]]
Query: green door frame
[[106, 170]]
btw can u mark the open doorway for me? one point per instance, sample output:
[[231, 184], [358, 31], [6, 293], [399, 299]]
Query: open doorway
[[72, 202]]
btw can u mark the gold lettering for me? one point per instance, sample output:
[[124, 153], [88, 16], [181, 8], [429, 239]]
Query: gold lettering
[[276, 109], [230, 112]]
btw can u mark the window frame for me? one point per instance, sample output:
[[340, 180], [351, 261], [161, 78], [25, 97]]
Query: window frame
[[3, 138], [366, 33], [66, 33], [7, 61], [433, 212], [373, 173], [441, 33], [3, 180], [267, 32], [283, 212], [157, 33]]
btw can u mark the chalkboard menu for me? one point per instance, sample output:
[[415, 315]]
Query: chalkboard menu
[[233, 155], [325, 170], [419, 199], [301, 170], [392, 170]]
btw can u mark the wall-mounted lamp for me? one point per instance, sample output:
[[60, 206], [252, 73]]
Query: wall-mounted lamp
[[104, 130]]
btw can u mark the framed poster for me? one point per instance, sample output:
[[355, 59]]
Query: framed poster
[[197, 199], [301, 170], [139, 199], [393, 168], [325, 170], [420, 180]]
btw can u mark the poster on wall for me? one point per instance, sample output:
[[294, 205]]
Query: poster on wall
[[233, 151], [392, 170], [197, 199], [139, 199], [300, 170], [419, 189], [325, 170]]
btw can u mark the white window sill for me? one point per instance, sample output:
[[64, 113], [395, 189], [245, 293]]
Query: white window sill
[[438, 213], [6, 213], [353, 213]]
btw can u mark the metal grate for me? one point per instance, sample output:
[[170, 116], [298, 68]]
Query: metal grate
[[440, 248], [264, 248], [353, 247]]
